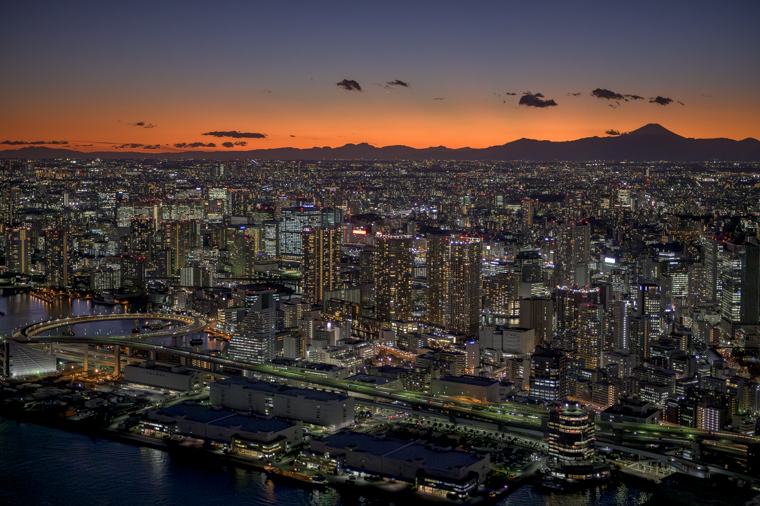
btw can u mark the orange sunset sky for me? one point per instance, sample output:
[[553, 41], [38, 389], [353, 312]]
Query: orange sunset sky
[[146, 78]]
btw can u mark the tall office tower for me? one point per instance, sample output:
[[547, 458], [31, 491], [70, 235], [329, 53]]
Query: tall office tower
[[180, 237], [590, 338], [571, 434], [11, 197], [453, 266], [57, 242], [331, 217], [621, 325], [219, 200], [107, 205], [649, 311], [741, 277], [270, 242], [293, 220], [538, 314], [247, 250], [393, 277], [141, 231], [713, 254], [548, 374], [569, 302], [255, 340], [698, 289], [527, 214], [18, 252], [321, 262], [574, 254]]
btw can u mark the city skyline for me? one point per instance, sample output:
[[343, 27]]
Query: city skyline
[[125, 78]]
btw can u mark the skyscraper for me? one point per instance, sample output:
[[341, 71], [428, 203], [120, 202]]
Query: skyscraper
[[590, 336], [181, 236], [58, 247], [527, 214], [569, 302], [321, 262], [255, 340], [739, 297], [649, 311], [538, 314], [393, 277], [574, 254], [453, 266], [18, 256], [293, 221], [621, 325]]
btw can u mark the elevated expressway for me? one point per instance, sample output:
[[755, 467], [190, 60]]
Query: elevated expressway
[[190, 325], [516, 419], [529, 420]]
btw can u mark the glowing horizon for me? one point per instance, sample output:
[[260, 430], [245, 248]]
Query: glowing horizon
[[431, 74]]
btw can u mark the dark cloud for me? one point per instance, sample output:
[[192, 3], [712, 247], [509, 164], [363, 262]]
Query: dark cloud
[[607, 94], [292, 135], [227, 144], [535, 100], [240, 143], [266, 91], [181, 145], [33, 143], [660, 100], [634, 97], [439, 98], [510, 94], [129, 145], [681, 103], [612, 132], [142, 124], [574, 94], [397, 82], [152, 146], [237, 135], [349, 85]]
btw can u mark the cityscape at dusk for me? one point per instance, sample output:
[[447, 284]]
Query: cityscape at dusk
[[350, 254]]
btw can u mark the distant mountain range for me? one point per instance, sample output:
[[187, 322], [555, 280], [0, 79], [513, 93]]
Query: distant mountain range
[[648, 143]]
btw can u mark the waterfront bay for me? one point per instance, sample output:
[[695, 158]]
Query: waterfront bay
[[41, 465]]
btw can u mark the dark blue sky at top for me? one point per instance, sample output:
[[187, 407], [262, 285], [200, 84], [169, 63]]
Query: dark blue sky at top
[[54, 51], [273, 42]]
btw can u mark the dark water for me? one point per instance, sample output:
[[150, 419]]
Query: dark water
[[22, 310], [43, 466]]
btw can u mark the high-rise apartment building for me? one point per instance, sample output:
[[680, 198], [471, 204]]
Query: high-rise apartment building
[[321, 262], [590, 336], [393, 277], [453, 266], [58, 246], [18, 254]]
